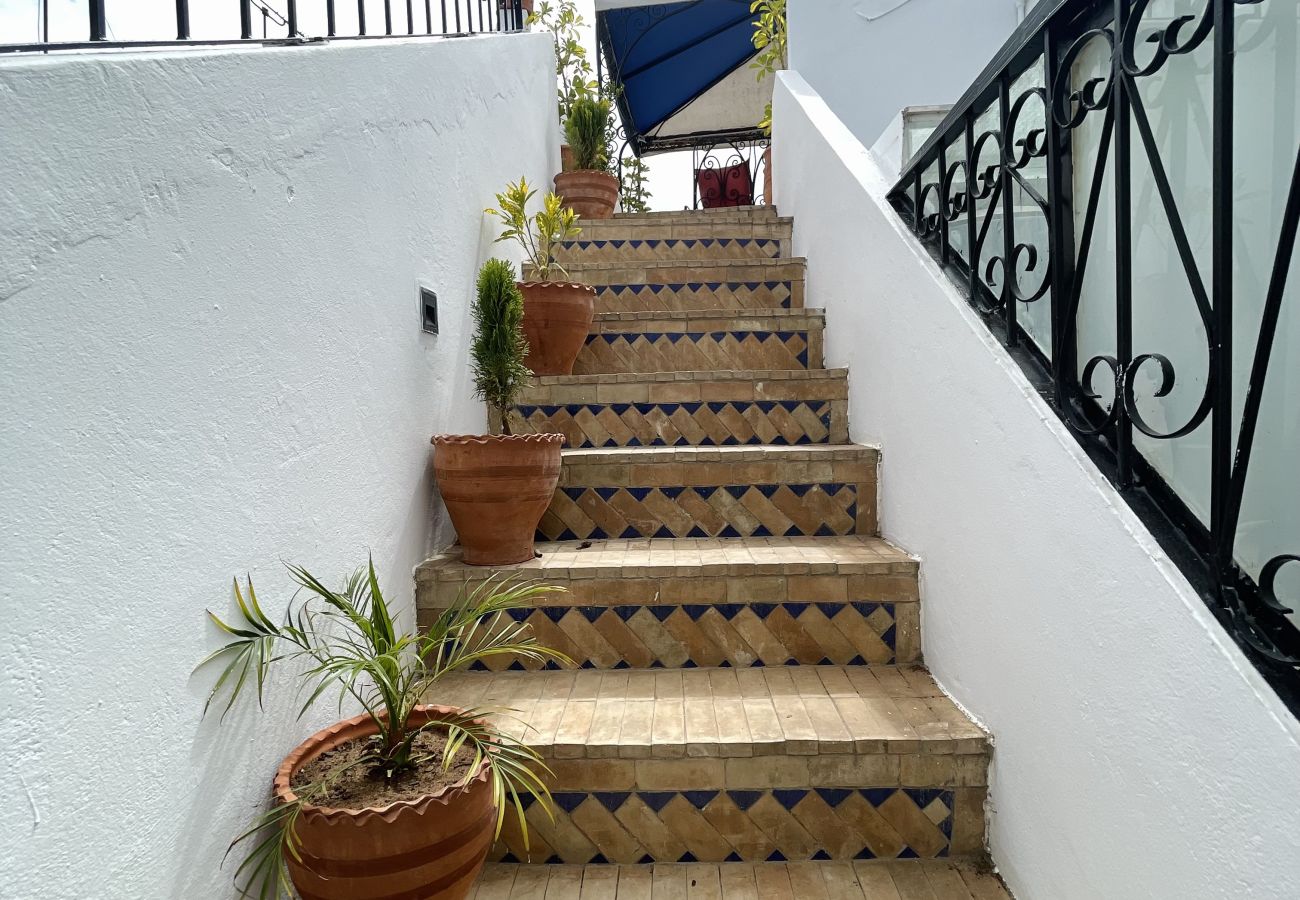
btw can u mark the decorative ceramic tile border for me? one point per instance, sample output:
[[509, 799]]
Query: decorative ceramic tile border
[[698, 295], [685, 351], [694, 635], [637, 249], [770, 825], [712, 424], [732, 510]]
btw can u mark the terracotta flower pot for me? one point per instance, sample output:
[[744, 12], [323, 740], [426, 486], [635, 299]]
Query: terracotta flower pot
[[557, 320], [496, 488], [767, 177], [589, 193], [431, 847], [566, 158]]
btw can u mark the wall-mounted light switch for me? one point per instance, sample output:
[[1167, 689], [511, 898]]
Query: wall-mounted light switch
[[428, 310]]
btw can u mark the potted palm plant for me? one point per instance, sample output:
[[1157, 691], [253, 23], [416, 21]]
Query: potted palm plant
[[589, 189], [497, 486], [557, 311], [403, 800]]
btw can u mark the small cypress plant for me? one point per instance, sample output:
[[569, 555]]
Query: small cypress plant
[[498, 350], [587, 131]]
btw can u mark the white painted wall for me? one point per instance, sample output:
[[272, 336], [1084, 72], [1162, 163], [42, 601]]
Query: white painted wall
[[1137, 753], [212, 362], [898, 52]]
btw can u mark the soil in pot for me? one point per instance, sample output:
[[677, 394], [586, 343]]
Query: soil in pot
[[360, 786], [557, 320], [591, 194]]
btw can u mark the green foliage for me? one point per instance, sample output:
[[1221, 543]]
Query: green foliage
[[351, 647], [587, 130], [769, 39], [634, 195], [538, 234], [571, 66], [499, 347]]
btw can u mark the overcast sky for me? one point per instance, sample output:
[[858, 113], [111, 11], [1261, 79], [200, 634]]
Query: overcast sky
[[20, 22]]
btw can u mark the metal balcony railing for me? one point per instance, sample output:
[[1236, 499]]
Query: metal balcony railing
[[286, 22], [1118, 196]]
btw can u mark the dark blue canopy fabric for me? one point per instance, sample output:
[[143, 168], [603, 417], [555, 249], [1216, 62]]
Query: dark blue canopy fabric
[[666, 55]]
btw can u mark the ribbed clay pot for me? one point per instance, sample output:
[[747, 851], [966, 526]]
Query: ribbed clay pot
[[430, 847], [557, 320], [588, 192], [496, 488]]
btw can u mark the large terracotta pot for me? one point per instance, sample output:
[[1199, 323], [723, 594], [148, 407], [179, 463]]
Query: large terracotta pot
[[767, 178], [566, 158], [432, 847], [496, 488], [589, 193], [557, 320]]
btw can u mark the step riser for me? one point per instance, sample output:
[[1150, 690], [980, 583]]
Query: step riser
[[732, 214], [724, 499], [693, 294], [683, 250], [623, 230], [617, 348], [639, 273], [702, 410], [669, 825], [703, 622]]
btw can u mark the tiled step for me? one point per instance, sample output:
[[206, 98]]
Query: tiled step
[[632, 228], [717, 214], [701, 409], [722, 285], [904, 879], [633, 250], [713, 492], [740, 765], [691, 603], [693, 340]]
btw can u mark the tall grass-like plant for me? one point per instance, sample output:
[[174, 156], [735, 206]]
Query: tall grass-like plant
[[352, 650], [537, 234], [499, 347], [587, 132]]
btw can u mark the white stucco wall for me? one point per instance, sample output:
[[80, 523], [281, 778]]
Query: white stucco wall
[[211, 361], [896, 53], [1137, 753]]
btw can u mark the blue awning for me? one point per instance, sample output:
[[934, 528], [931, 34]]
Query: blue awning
[[683, 72]]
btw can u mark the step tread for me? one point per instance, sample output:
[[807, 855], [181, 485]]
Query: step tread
[[877, 879], [678, 713], [658, 557], [745, 453], [727, 375]]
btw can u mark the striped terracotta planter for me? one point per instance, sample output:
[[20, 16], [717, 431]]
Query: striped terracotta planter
[[589, 193], [432, 847]]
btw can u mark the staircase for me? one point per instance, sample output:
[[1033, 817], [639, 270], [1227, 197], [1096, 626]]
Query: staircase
[[750, 717]]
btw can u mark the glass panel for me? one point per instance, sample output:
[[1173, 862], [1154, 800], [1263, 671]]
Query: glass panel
[[1031, 225], [1266, 114]]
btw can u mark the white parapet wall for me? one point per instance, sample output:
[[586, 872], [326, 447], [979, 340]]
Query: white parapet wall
[[1137, 753], [211, 361]]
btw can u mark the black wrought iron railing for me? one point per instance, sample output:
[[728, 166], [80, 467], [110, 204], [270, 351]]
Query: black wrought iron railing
[[1118, 195], [115, 24]]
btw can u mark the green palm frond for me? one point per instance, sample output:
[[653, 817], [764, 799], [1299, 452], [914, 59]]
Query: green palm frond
[[352, 645]]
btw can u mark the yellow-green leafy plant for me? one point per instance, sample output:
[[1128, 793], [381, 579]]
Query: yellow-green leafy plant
[[769, 41], [538, 234], [572, 69], [347, 644], [587, 132], [499, 347]]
